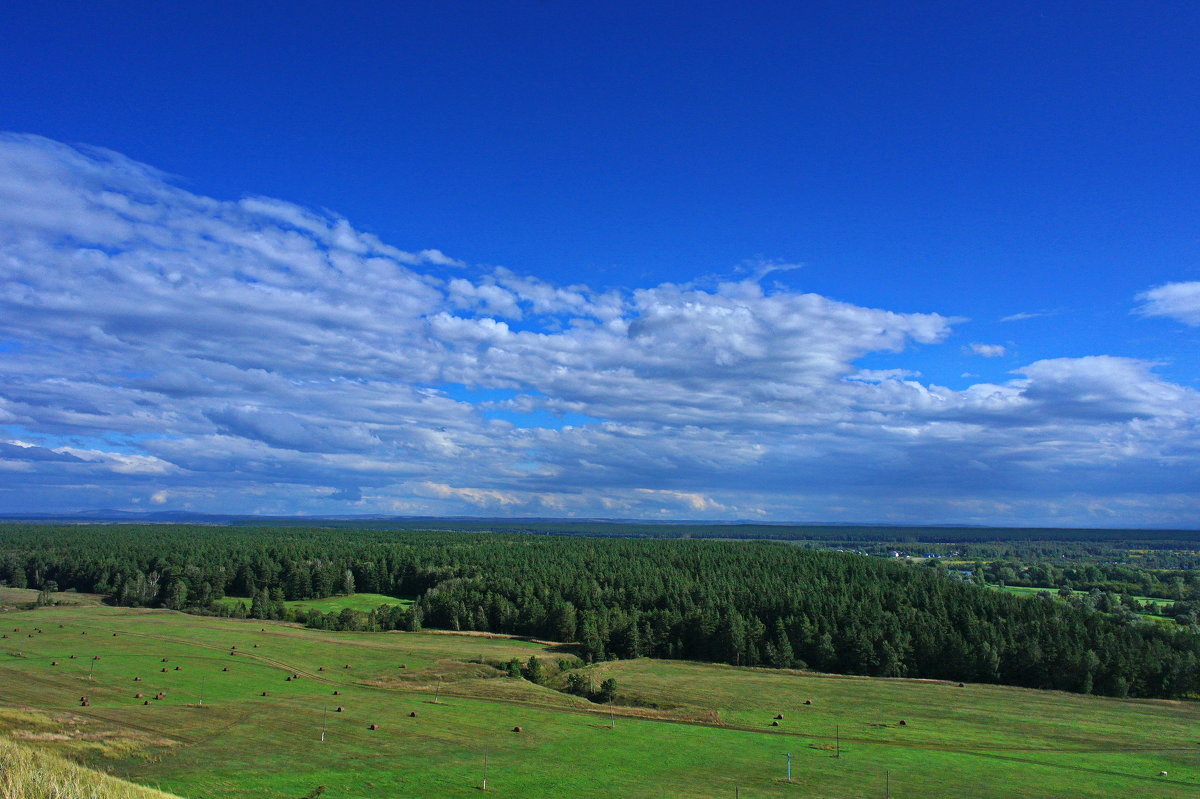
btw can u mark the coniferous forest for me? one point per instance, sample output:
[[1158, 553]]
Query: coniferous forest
[[753, 603]]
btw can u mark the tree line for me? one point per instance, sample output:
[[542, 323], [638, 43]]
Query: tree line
[[751, 603]]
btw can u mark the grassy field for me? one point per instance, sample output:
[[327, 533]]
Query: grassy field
[[30, 772], [1158, 603], [16, 597], [1027, 591], [332, 604], [687, 729]]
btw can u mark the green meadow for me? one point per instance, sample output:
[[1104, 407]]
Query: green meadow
[[331, 604], [1027, 591], [678, 728]]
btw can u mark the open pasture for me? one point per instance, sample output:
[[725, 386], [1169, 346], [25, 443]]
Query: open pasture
[[690, 729]]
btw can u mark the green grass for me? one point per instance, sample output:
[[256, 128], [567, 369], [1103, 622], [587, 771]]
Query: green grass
[[1021, 589], [30, 772], [332, 604], [21, 597], [708, 733]]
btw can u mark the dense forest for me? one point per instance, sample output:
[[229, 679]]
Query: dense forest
[[756, 603]]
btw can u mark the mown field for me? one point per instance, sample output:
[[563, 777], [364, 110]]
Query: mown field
[[686, 729]]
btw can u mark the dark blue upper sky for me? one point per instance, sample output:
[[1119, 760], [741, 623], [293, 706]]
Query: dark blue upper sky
[[978, 160]]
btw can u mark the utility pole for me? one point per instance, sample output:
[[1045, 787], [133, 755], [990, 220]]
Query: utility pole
[[324, 722], [837, 738], [887, 776], [201, 692], [437, 692], [91, 666], [485, 759], [788, 755], [612, 719]]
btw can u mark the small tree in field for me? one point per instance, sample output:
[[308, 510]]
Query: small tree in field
[[533, 670], [48, 588]]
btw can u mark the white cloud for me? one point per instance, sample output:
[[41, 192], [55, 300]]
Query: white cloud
[[1024, 315], [688, 499], [253, 354], [988, 350], [1178, 301], [482, 497]]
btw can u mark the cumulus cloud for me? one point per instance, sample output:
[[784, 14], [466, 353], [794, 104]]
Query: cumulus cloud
[[988, 350], [1178, 301], [255, 356]]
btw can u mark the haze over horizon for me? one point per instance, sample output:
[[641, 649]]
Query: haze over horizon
[[838, 263]]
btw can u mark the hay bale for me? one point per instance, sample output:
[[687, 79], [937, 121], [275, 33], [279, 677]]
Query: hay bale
[[808, 701], [337, 693], [74, 656], [179, 668], [320, 668], [256, 646], [114, 635], [84, 632], [518, 729], [1162, 773], [960, 685], [95, 657], [295, 676], [139, 696], [54, 663], [164, 660], [373, 727], [903, 723], [404, 665], [83, 699], [265, 693], [164, 668], [224, 668], [137, 679], [412, 715], [340, 709], [287, 679], [85, 703], [774, 723], [146, 702], [346, 666], [779, 716]]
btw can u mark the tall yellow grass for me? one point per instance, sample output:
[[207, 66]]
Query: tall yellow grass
[[30, 773]]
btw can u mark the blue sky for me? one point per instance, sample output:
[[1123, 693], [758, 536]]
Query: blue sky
[[849, 262]]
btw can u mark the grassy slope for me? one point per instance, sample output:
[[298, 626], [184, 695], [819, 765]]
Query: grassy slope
[[981, 741], [28, 772]]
